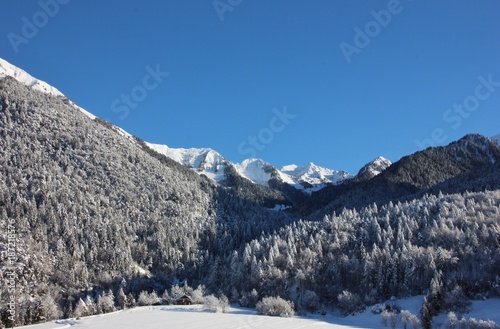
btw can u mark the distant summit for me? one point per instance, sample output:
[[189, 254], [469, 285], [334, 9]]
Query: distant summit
[[373, 168], [312, 177], [202, 160]]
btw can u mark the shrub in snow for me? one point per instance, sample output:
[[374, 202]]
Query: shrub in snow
[[211, 304], [389, 318], [198, 295], [275, 306], [415, 321], [224, 303], [349, 303], [146, 298], [405, 318]]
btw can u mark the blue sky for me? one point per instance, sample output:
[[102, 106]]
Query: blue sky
[[336, 83]]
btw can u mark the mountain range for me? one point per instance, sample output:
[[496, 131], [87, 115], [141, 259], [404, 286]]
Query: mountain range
[[94, 211], [208, 162], [305, 180]]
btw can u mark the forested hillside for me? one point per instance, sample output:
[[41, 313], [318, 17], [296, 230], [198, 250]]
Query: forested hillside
[[469, 164], [89, 215], [87, 207]]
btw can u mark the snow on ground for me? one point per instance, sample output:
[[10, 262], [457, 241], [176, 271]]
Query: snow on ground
[[186, 317], [191, 317]]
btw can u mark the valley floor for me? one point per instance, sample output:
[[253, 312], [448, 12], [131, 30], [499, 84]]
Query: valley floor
[[190, 317]]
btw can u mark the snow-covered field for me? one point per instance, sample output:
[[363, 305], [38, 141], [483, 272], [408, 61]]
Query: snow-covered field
[[188, 317]]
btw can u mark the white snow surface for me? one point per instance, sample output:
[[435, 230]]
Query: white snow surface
[[206, 161], [202, 160], [7, 69], [312, 177], [190, 317], [256, 170], [496, 138]]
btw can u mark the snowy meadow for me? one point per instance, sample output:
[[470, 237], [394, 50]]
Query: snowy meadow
[[193, 316]]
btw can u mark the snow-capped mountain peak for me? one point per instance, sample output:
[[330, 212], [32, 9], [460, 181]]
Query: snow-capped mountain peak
[[374, 168], [206, 161], [203, 160], [312, 177], [256, 170]]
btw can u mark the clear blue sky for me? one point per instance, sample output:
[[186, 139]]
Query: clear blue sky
[[352, 97]]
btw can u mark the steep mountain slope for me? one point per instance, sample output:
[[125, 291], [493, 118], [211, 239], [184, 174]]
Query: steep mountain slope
[[7, 69], [471, 163], [256, 170], [373, 168], [89, 214], [87, 205]]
